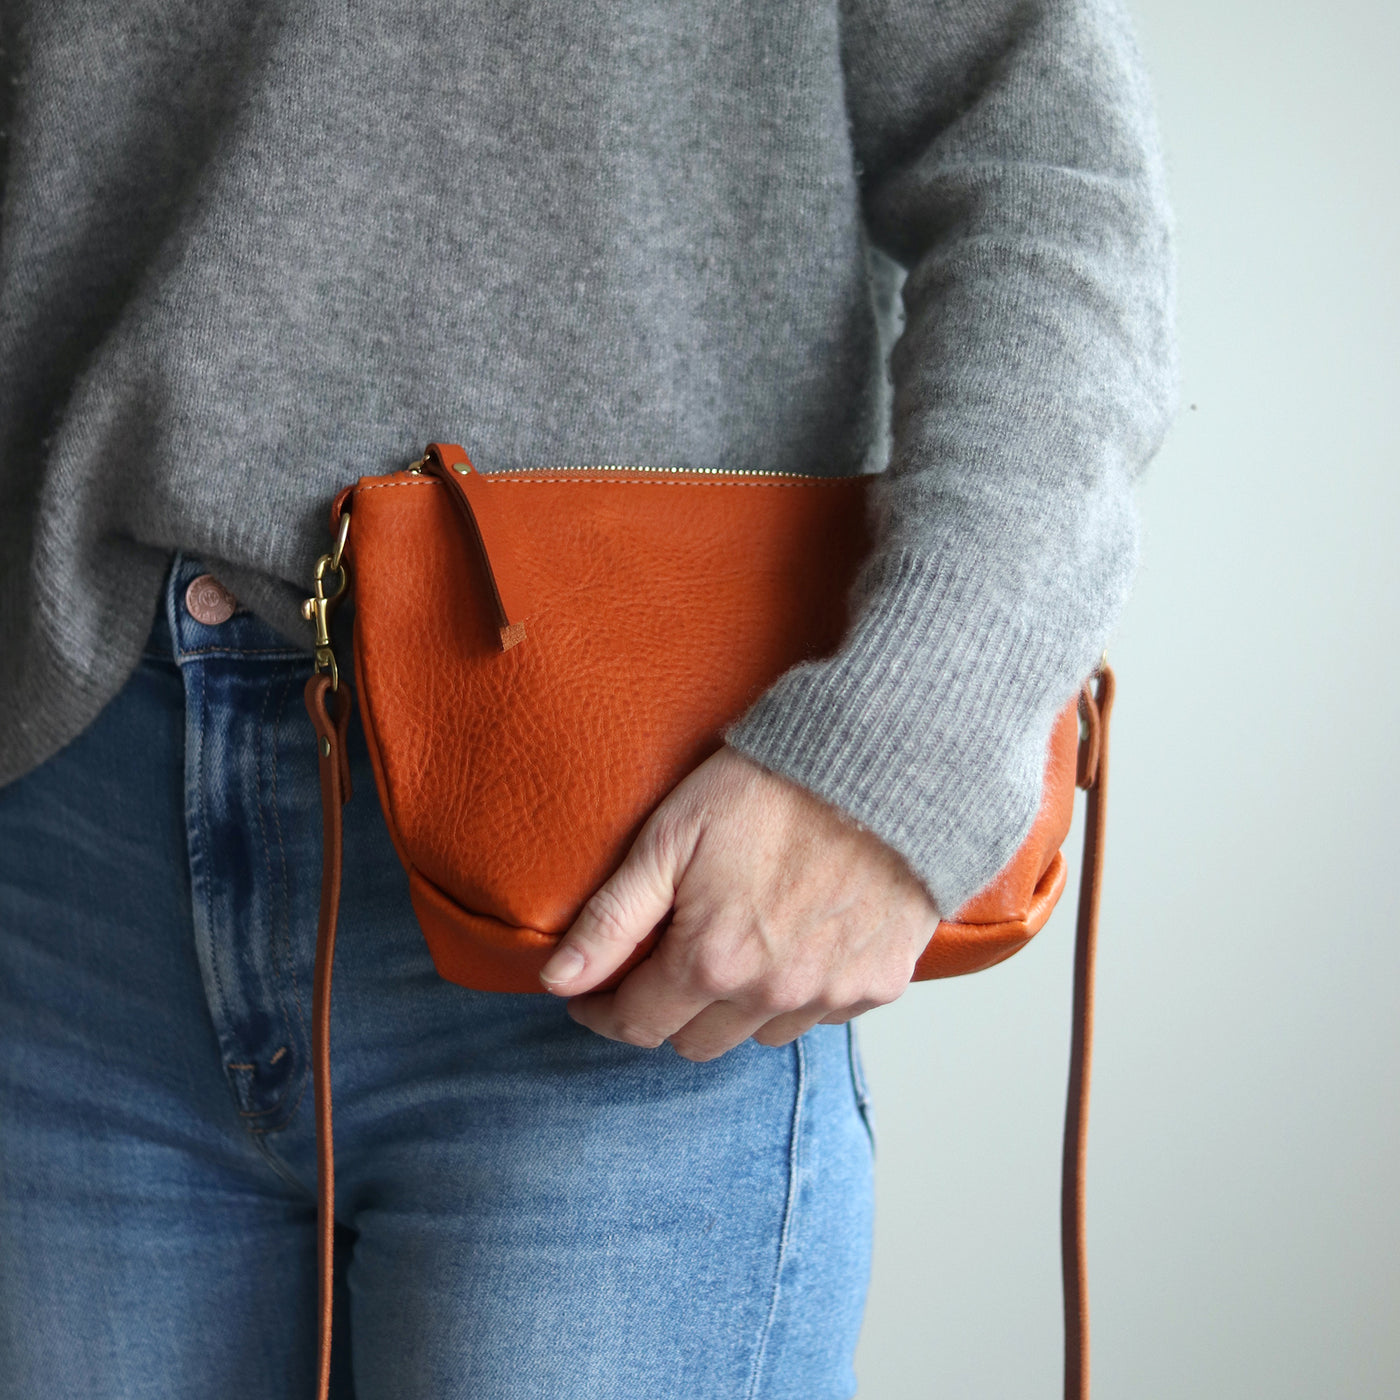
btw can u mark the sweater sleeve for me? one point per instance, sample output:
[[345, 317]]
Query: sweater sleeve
[[1008, 162]]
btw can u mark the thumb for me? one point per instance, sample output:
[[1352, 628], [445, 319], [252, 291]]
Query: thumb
[[620, 913]]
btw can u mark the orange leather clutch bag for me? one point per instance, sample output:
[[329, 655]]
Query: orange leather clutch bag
[[540, 656]]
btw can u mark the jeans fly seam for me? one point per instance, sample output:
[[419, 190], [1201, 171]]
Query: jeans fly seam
[[296, 1103], [286, 1116], [282, 854], [283, 1169], [272, 878], [197, 677], [789, 1211]]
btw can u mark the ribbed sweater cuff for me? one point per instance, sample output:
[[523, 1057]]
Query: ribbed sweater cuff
[[929, 726]]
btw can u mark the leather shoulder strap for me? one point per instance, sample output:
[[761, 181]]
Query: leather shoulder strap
[[1095, 703], [330, 714], [329, 708]]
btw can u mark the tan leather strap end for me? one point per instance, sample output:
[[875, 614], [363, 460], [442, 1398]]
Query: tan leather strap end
[[493, 532], [1096, 701], [329, 708]]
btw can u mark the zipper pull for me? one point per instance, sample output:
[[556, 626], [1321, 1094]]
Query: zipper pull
[[494, 532]]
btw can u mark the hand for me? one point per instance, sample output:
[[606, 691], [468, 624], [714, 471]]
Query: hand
[[786, 913]]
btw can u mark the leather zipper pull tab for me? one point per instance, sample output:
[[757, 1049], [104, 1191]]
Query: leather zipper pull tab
[[494, 532]]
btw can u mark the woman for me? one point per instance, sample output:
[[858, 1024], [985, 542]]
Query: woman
[[249, 253]]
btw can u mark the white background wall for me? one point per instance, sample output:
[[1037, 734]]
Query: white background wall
[[1245, 1138]]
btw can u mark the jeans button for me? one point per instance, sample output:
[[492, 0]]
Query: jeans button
[[208, 601]]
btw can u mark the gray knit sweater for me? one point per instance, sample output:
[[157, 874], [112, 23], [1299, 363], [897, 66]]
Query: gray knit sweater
[[251, 250]]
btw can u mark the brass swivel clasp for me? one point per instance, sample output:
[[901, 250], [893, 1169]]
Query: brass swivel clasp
[[318, 608]]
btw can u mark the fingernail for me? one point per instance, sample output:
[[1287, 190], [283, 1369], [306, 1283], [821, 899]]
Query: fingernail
[[564, 966]]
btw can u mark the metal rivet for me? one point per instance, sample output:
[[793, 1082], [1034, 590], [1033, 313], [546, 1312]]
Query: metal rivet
[[208, 601], [325, 747], [462, 467]]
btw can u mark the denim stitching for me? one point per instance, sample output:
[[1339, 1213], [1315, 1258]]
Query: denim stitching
[[789, 1211], [224, 1016], [257, 768], [258, 1131], [197, 678], [291, 1111], [288, 652], [283, 1169], [282, 857], [271, 882], [288, 1112]]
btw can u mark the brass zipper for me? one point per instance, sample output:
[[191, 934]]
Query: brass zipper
[[681, 471], [417, 470]]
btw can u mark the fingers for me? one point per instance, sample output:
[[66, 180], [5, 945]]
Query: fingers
[[697, 1029], [648, 1006], [782, 1030], [660, 1001], [619, 915], [717, 1030], [710, 1031]]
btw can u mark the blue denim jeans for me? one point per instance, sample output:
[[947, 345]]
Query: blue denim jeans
[[523, 1208]]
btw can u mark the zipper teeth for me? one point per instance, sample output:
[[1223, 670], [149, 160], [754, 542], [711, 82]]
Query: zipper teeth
[[417, 469], [681, 471]]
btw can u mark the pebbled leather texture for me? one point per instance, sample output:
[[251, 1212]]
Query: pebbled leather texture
[[541, 656]]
